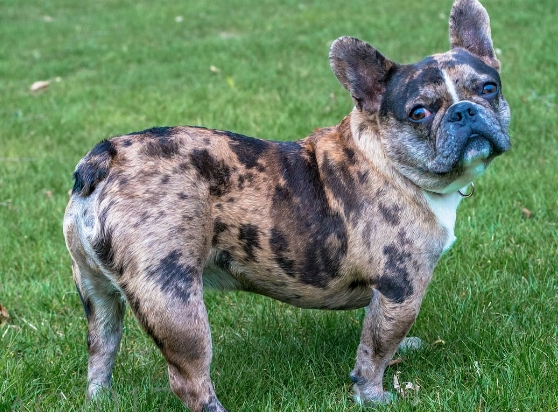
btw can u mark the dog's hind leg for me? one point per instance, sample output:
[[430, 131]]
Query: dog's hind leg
[[104, 308], [168, 302]]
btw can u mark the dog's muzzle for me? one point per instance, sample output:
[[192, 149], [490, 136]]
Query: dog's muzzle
[[469, 134]]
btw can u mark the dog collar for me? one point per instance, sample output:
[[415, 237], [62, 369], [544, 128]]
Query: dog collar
[[468, 193]]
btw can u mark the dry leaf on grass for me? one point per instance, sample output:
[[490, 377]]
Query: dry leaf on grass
[[526, 213], [39, 85], [4, 315], [406, 388]]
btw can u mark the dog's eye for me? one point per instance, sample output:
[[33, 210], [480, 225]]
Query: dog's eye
[[489, 89], [419, 113]]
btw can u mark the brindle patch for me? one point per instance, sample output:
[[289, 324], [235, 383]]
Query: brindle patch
[[102, 246], [249, 151]]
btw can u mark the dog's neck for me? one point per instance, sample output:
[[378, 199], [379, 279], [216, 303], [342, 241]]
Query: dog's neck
[[365, 135]]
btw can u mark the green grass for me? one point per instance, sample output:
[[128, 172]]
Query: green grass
[[490, 316]]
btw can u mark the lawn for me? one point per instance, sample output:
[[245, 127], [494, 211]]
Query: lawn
[[260, 68]]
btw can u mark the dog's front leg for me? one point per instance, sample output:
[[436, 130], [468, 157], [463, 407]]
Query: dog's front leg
[[385, 325]]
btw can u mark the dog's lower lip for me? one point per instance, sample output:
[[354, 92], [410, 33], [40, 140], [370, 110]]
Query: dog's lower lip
[[477, 147]]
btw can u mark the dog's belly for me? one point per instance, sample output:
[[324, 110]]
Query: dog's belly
[[337, 296]]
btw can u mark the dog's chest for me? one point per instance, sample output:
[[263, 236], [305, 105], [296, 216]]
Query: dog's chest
[[444, 208]]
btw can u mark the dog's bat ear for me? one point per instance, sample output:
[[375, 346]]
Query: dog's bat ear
[[470, 29], [362, 70]]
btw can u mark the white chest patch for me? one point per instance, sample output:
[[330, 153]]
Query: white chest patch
[[444, 206]]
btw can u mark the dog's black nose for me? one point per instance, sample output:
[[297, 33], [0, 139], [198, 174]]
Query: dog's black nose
[[462, 112]]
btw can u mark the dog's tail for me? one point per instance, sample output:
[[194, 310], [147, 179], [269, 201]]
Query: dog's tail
[[93, 168]]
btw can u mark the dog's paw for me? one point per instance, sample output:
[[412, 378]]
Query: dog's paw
[[98, 391], [409, 344], [372, 397], [384, 399]]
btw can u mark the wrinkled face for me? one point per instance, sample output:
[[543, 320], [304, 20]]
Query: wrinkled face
[[451, 120]]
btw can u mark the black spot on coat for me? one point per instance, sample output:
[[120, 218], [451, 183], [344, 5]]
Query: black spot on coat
[[350, 153], [250, 240], [300, 208], [173, 277], [395, 282], [216, 172], [223, 260], [406, 83], [391, 213], [359, 284], [218, 228], [103, 244], [93, 168], [163, 146], [248, 150], [280, 247], [344, 187]]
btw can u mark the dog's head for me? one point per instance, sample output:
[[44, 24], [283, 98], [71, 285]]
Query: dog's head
[[441, 121]]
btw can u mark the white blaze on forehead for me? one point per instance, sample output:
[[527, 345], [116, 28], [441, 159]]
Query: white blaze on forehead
[[451, 87]]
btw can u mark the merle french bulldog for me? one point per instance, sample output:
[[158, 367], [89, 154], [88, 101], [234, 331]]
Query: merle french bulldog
[[355, 215]]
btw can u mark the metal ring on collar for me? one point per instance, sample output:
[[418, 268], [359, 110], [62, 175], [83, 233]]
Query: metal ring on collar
[[468, 194]]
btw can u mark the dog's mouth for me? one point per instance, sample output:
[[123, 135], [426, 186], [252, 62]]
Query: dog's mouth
[[478, 148]]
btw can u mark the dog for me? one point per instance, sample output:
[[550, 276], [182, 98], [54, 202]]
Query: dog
[[355, 215]]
